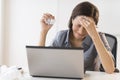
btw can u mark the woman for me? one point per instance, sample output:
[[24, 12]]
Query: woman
[[82, 33]]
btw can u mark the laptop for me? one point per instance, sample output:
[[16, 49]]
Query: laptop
[[55, 62]]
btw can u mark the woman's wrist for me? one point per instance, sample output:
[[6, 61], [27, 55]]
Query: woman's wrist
[[94, 34], [43, 31], [43, 35]]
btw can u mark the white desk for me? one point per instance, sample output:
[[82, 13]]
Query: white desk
[[91, 75]]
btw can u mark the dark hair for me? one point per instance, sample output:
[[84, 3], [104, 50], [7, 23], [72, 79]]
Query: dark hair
[[86, 9]]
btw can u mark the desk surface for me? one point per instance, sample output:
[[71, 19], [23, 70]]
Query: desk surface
[[90, 75]]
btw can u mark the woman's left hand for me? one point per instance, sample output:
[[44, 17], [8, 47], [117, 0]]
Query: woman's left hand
[[89, 24]]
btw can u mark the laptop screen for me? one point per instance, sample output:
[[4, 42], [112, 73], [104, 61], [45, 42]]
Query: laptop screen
[[55, 62]]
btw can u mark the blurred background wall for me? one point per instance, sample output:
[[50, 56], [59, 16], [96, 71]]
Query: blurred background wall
[[20, 24]]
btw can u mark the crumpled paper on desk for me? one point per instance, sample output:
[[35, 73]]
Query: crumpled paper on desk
[[13, 73]]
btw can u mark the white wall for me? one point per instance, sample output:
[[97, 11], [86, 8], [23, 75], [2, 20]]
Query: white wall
[[22, 23], [0, 31], [22, 27], [118, 51]]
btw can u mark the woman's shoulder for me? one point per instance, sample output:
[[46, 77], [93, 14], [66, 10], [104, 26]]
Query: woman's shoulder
[[60, 38], [62, 35], [62, 32]]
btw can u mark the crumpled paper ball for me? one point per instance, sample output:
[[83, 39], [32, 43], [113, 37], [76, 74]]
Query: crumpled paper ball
[[13, 73]]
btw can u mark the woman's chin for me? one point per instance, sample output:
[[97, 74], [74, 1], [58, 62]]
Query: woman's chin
[[80, 37]]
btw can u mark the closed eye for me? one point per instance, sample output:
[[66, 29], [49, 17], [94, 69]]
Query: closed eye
[[78, 25]]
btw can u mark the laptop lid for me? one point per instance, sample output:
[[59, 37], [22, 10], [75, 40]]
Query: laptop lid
[[55, 62]]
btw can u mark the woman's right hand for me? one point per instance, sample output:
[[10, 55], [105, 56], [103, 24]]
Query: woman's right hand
[[44, 26]]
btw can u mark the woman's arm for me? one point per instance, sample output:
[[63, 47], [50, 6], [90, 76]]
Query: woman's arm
[[104, 54], [42, 38], [45, 27]]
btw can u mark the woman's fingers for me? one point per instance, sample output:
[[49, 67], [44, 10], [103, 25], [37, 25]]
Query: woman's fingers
[[48, 19], [48, 15], [86, 21]]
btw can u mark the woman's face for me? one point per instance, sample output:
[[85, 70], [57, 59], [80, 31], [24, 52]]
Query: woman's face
[[79, 31]]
